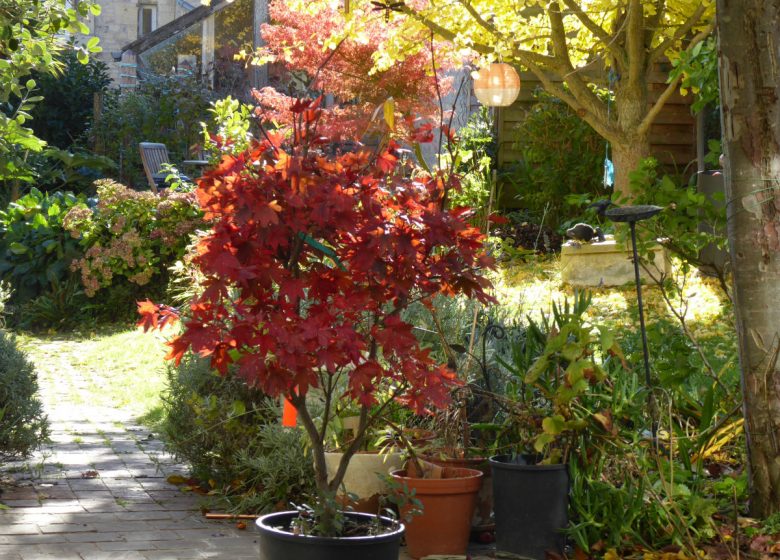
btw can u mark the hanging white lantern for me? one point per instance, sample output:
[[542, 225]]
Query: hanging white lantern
[[496, 85]]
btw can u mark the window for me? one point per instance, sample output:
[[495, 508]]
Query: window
[[147, 19]]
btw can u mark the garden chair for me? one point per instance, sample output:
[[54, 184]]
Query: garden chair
[[153, 156]]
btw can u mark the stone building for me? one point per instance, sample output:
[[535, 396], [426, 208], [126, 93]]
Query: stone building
[[124, 21]]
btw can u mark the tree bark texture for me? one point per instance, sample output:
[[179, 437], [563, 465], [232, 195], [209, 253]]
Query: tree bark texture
[[626, 157], [749, 45]]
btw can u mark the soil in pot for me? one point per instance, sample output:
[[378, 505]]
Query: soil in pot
[[363, 479], [531, 506], [448, 505], [277, 542]]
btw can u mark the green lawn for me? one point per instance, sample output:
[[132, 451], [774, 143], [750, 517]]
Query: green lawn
[[122, 366]]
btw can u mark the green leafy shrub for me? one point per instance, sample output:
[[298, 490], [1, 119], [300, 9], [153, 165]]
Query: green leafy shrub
[[23, 425], [74, 170], [561, 155], [573, 393], [34, 38], [65, 113], [162, 109], [275, 471], [35, 249], [130, 234], [229, 434], [475, 157], [62, 306], [699, 70], [686, 210]]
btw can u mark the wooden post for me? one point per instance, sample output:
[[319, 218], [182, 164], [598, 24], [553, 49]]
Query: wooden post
[[207, 51], [260, 16], [97, 113]]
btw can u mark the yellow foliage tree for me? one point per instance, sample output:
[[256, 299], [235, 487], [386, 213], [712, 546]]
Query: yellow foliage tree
[[566, 44]]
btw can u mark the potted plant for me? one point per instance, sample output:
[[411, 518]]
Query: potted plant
[[364, 484], [310, 260], [462, 443], [447, 496], [556, 365]]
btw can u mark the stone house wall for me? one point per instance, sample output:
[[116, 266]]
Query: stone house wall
[[117, 25]]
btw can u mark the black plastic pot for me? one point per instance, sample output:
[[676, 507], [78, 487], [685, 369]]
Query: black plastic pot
[[530, 506], [279, 544]]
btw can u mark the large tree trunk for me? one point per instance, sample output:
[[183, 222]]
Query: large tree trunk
[[749, 35], [631, 145], [626, 157]]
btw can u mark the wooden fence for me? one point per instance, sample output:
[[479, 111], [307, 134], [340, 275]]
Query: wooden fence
[[672, 134]]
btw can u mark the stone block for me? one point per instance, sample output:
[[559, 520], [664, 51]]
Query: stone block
[[606, 263]]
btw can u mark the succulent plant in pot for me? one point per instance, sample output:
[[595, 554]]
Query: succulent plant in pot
[[557, 375], [309, 263]]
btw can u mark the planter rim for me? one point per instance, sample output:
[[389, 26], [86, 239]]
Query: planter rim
[[505, 462], [469, 483], [395, 451], [472, 460], [264, 524]]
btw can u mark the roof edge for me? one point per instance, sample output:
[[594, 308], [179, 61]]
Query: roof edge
[[173, 27]]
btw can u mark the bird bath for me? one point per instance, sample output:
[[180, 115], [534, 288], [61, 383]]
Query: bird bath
[[605, 263]]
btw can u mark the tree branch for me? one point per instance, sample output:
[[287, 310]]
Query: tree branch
[[586, 99], [650, 116], [609, 41], [481, 48], [647, 121], [487, 26], [318, 446], [635, 43], [659, 51], [654, 22], [594, 115]]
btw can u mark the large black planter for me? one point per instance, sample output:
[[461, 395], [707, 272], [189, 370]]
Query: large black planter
[[277, 544], [530, 506]]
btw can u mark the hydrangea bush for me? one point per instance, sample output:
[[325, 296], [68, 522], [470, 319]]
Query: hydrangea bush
[[131, 234]]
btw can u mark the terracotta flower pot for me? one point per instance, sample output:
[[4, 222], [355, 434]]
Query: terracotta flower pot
[[483, 512], [448, 504], [361, 478]]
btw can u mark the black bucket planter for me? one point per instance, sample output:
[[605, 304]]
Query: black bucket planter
[[278, 544], [530, 506]]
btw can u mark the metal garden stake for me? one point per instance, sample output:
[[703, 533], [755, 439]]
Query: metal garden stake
[[632, 215]]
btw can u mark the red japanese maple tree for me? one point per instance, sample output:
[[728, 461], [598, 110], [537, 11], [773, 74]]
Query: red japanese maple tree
[[296, 41], [309, 264]]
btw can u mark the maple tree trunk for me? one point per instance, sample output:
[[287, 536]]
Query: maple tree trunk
[[749, 40]]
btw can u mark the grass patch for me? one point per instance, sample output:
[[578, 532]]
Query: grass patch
[[113, 367]]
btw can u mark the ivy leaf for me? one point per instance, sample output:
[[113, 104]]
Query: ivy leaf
[[17, 248], [554, 425]]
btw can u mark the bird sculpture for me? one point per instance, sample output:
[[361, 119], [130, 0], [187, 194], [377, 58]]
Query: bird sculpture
[[584, 233], [601, 206]]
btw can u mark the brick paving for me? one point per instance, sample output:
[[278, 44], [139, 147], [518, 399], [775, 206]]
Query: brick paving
[[98, 491]]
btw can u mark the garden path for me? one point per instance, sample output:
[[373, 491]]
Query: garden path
[[98, 489]]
